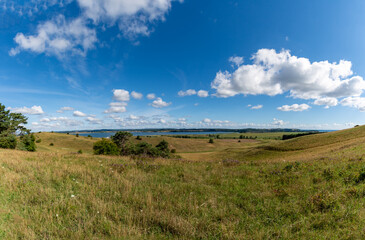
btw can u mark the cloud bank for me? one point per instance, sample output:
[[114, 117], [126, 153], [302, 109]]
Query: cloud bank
[[273, 73]]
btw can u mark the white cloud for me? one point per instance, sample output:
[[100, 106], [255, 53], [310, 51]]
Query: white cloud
[[132, 117], [207, 120], [151, 96], [35, 110], [159, 103], [203, 93], [256, 107], [137, 95], [327, 101], [63, 109], [79, 114], [121, 95], [236, 61], [355, 102], [117, 107], [189, 92], [56, 37], [275, 73], [132, 17], [278, 122], [294, 108], [94, 120]]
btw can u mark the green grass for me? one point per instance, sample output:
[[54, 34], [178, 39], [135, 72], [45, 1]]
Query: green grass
[[248, 190]]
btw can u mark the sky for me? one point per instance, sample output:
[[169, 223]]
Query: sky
[[121, 64]]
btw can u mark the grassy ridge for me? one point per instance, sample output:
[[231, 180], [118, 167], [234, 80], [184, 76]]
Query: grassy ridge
[[242, 191]]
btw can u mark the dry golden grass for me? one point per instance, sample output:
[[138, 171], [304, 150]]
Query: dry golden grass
[[234, 190]]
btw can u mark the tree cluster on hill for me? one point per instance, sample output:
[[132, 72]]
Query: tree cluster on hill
[[11, 125], [290, 136], [119, 144]]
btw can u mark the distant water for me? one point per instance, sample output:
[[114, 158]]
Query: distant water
[[108, 134]]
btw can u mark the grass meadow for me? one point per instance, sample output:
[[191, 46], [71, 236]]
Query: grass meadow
[[312, 187]]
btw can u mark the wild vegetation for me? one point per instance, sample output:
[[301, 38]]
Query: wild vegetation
[[11, 125], [120, 144], [310, 187]]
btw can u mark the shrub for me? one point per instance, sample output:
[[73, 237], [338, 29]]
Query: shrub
[[77, 135], [51, 144], [163, 148], [211, 140], [79, 152], [29, 142], [138, 138], [38, 141], [8, 142], [173, 150], [105, 147]]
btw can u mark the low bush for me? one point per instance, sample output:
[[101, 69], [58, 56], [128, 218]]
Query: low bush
[[105, 147], [8, 142], [28, 141]]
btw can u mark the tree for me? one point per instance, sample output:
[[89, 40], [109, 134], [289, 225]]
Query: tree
[[211, 140], [121, 138], [10, 125]]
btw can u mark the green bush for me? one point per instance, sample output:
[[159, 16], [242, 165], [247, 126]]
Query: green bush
[[211, 140], [105, 147], [8, 142], [51, 144], [39, 141], [29, 142], [163, 149]]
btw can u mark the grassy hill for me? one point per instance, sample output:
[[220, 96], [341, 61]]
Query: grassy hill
[[311, 187]]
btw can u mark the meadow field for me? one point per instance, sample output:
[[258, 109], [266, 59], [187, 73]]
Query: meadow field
[[311, 187]]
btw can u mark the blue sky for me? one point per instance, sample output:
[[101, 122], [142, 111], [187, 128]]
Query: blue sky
[[91, 64]]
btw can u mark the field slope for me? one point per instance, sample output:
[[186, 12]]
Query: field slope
[[311, 187]]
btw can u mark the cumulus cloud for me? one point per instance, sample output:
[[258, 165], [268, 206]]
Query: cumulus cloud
[[273, 73], [63, 109], [186, 93], [35, 110], [94, 120], [117, 107], [151, 96], [159, 103], [59, 35], [121, 95], [190, 92], [355, 102], [327, 101], [203, 93], [136, 95], [294, 108], [56, 37], [236, 61], [207, 120], [278, 122], [132, 17], [79, 114], [256, 107]]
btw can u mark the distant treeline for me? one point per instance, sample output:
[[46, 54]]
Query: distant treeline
[[290, 136], [270, 130], [246, 130]]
